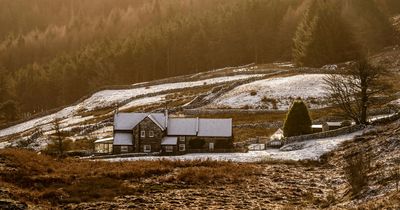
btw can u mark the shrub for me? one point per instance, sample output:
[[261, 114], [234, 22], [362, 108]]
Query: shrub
[[253, 93], [356, 172], [298, 120]]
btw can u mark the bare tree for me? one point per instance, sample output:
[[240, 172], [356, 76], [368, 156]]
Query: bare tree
[[355, 89], [58, 138]]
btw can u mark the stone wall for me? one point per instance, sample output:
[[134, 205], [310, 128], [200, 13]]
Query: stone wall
[[327, 134], [225, 144], [148, 125], [218, 91], [387, 119]]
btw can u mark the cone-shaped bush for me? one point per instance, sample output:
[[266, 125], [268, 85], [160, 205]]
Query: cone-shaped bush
[[298, 120]]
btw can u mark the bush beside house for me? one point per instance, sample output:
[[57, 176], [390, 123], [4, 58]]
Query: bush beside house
[[298, 121]]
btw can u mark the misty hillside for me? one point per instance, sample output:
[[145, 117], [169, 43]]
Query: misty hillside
[[54, 52]]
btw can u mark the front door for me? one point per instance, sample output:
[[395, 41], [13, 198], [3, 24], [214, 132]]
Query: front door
[[211, 146]]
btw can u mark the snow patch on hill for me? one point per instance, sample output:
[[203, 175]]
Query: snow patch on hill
[[109, 98], [279, 91]]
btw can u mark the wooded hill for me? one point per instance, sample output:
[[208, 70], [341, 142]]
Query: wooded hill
[[52, 52]]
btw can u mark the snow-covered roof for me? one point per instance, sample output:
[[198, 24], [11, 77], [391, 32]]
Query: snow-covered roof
[[317, 126], [336, 124], [169, 140], [215, 127], [110, 139], [278, 132], [277, 135], [159, 119], [182, 126], [177, 126], [127, 121], [123, 138]]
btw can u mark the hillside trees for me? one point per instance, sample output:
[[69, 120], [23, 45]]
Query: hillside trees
[[356, 89], [370, 26], [9, 110], [62, 50], [298, 120], [323, 37]]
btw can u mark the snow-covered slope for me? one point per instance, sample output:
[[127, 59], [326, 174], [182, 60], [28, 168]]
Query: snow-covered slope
[[281, 91], [110, 98]]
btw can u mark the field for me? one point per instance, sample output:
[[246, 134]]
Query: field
[[39, 181]]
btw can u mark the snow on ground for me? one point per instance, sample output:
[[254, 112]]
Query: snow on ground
[[107, 98], [259, 94], [310, 150], [144, 101], [395, 102], [285, 64]]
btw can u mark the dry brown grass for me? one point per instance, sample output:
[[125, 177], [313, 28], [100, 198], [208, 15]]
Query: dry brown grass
[[41, 179], [227, 174]]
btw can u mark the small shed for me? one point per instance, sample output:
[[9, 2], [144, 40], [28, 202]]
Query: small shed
[[278, 135], [104, 146], [334, 125], [276, 139]]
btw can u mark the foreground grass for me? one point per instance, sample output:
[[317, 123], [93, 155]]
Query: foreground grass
[[40, 179]]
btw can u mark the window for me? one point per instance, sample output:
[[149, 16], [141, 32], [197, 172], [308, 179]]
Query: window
[[151, 134], [181, 138], [147, 148], [211, 146], [169, 148], [124, 148], [142, 134], [182, 147]]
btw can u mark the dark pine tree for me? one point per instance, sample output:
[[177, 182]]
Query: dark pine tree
[[298, 120]]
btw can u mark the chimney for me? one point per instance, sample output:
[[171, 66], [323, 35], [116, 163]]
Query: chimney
[[116, 111], [166, 118], [197, 125]]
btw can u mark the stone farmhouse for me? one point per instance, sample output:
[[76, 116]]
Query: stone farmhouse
[[159, 133]]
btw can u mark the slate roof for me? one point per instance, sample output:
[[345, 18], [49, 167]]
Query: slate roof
[[127, 121], [123, 138], [215, 127], [105, 140], [169, 140], [317, 126], [176, 126], [182, 126], [334, 124]]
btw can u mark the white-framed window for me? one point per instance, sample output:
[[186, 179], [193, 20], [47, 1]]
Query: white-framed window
[[124, 148], [151, 134], [147, 148], [182, 147], [211, 146], [169, 148], [181, 138], [142, 134]]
